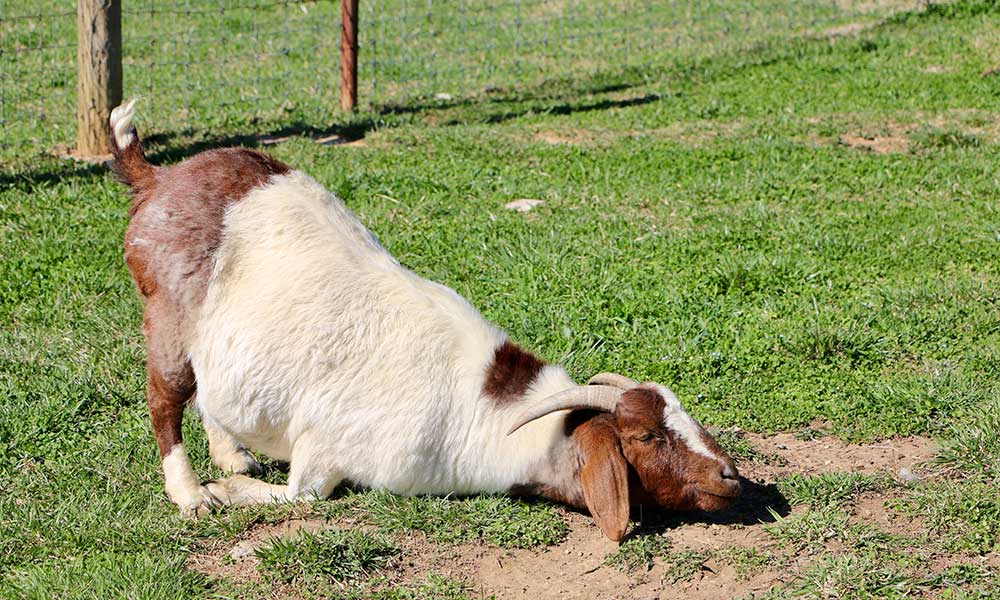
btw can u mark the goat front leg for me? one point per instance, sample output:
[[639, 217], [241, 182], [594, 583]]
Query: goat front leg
[[226, 451], [311, 476]]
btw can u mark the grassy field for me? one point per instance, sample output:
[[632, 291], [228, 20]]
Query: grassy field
[[802, 239], [252, 65]]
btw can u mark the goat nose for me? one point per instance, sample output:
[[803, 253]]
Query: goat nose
[[728, 472]]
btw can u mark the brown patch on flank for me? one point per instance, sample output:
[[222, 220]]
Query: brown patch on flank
[[177, 217], [511, 373], [877, 144]]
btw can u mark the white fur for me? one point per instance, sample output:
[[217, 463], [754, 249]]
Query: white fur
[[182, 484], [680, 422], [313, 344], [121, 123], [226, 452]]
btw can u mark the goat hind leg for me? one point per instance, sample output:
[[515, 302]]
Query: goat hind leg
[[166, 401], [170, 383]]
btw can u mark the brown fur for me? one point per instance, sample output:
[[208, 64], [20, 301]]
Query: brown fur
[[170, 245], [511, 373], [636, 461], [604, 476], [673, 475]]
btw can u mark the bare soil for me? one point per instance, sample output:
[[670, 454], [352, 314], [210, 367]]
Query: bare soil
[[575, 568], [881, 144]]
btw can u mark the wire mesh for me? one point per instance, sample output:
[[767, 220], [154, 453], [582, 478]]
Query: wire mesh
[[255, 64], [37, 74]]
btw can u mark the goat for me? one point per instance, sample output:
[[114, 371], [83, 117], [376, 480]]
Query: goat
[[275, 313]]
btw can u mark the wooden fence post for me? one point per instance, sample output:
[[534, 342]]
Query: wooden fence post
[[99, 72], [348, 55]]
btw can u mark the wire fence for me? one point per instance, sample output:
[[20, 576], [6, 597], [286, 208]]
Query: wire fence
[[255, 64]]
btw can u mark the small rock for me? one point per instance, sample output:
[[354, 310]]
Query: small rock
[[523, 204], [442, 96], [782, 447], [906, 475], [241, 551]]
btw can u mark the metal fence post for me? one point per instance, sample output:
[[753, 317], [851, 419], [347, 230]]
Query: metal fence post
[[99, 72], [348, 55]]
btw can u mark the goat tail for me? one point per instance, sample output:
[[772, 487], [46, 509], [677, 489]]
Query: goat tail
[[130, 162]]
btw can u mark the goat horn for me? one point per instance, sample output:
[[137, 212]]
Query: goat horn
[[597, 397], [614, 380]]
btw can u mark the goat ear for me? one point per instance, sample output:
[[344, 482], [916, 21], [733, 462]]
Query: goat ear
[[604, 475]]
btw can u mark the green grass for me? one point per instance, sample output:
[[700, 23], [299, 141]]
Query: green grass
[[329, 556], [861, 576], [638, 553], [704, 226], [101, 574], [972, 448], [829, 488], [497, 520], [750, 561], [172, 54], [432, 587], [964, 515]]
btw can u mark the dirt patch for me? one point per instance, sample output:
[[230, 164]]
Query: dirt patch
[[575, 569], [886, 136], [566, 136], [844, 30], [237, 560], [830, 454], [877, 144], [938, 69], [695, 134], [421, 557], [323, 139]]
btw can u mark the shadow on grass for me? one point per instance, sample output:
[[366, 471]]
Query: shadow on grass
[[559, 95], [52, 170], [490, 106]]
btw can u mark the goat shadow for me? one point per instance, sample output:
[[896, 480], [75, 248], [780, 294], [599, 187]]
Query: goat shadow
[[758, 503]]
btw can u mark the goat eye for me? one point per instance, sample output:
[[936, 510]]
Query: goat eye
[[646, 437]]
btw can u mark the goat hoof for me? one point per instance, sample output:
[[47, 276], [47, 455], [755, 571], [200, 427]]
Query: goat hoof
[[202, 502], [249, 466], [239, 462]]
